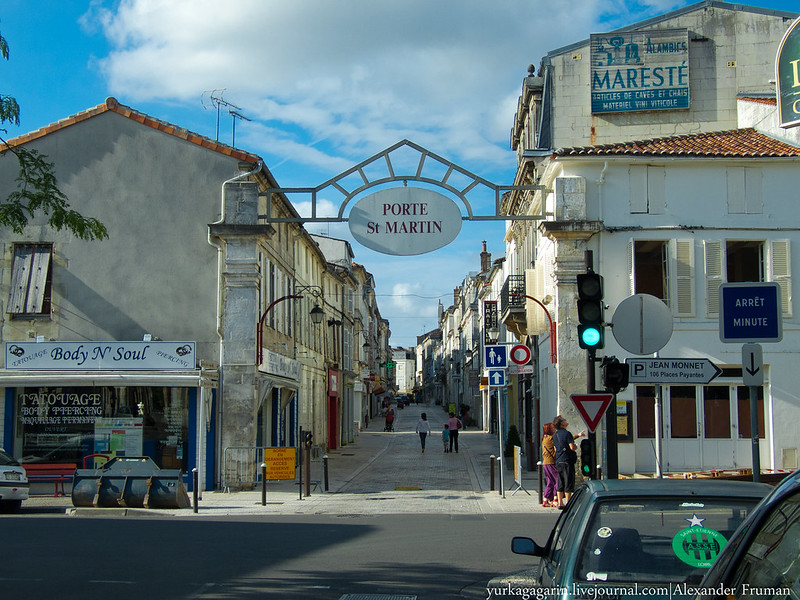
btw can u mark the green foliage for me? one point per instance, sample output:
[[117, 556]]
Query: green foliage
[[37, 189], [512, 439]]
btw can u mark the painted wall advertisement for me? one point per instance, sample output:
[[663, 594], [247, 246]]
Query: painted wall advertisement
[[787, 67], [639, 70]]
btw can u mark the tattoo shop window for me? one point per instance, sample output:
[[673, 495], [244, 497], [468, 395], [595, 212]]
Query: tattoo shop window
[[31, 280]]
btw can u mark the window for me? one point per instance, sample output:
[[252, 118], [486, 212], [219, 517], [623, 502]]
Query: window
[[717, 412], [650, 268], [736, 261], [645, 411], [664, 269], [745, 261], [683, 411], [31, 280], [743, 411]]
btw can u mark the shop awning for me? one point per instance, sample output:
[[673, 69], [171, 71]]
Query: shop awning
[[17, 378]]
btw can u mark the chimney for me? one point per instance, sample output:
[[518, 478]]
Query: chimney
[[486, 259]]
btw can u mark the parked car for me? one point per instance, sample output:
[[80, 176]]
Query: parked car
[[636, 537], [14, 485], [762, 559]]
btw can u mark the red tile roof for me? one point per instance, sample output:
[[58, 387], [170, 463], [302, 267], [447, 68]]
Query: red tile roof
[[737, 143], [769, 100], [111, 105]]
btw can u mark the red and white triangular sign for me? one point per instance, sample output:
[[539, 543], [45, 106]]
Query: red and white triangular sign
[[592, 407]]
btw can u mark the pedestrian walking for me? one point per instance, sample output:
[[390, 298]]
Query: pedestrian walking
[[389, 426], [453, 424], [423, 429], [549, 465], [446, 438], [566, 457]]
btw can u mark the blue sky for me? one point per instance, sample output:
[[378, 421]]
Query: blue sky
[[324, 85]]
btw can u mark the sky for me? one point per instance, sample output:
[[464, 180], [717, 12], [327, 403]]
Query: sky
[[322, 85]]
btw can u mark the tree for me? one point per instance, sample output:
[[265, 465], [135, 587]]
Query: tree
[[37, 188]]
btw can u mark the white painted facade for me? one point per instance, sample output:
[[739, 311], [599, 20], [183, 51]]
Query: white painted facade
[[703, 213]]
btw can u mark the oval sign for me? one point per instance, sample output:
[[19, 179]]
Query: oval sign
[[404, 221]]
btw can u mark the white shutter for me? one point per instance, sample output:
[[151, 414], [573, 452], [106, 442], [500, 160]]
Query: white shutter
[[780, 265], [684, 278], [656, 201], [631, 267], [538, 323], [715, 269], [736, 190], [638, 189]]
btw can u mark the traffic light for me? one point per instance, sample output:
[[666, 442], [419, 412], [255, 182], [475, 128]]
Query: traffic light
[[615, 374], [309, 438], [587, 460], [591, 333]]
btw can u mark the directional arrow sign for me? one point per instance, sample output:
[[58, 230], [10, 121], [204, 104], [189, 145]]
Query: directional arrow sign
[[497, 377], [495, 356], [592, 407], [752, 365], [698, 371]]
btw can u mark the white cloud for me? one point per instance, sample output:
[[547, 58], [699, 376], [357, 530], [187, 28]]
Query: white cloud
[[327, 84]]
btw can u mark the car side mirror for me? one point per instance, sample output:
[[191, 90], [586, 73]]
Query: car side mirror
[[524, 545]]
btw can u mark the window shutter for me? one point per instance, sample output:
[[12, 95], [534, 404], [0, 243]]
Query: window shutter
[[638, 189], [534, 315], [631, 266], [684, 278], [782, 273], [714, 276], [656, 200]]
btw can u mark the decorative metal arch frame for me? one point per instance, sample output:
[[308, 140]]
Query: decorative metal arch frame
[[425, 157]]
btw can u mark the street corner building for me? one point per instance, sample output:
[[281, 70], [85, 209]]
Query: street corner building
[[198, 334]]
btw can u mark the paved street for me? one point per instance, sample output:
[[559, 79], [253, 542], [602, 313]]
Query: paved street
[[379, 473]]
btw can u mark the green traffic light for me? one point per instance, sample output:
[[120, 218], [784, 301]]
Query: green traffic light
[[590, 336]]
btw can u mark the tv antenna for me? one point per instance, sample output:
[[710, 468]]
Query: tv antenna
[[216, 99]]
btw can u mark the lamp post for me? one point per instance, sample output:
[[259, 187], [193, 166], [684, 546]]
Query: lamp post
[[316, 314]]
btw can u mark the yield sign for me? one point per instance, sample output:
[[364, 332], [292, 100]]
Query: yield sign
[[592, 407]]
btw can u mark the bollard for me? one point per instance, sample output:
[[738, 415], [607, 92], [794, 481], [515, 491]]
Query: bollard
[[500, 489], [491, 473], [263, 484], [541, 481], [194, 487], [325, 471]]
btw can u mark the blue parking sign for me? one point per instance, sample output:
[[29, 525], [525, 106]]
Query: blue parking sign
[[750, 312]]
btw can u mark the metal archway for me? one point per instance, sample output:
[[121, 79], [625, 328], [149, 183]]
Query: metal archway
[[391, 172]]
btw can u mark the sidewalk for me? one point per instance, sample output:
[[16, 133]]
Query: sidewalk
[[378, 473]]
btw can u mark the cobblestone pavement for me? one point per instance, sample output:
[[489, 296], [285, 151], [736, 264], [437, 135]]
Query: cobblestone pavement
[[378, 473]]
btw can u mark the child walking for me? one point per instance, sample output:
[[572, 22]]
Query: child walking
[[446, 437]]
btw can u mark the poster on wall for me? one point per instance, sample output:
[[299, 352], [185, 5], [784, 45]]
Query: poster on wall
[[639, 70], [118, 437]]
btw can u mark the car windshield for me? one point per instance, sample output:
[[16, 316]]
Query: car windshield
[[657, 539], [6, 460]]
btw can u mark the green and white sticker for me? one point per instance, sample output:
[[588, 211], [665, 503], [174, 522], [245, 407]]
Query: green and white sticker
[[698, 546]]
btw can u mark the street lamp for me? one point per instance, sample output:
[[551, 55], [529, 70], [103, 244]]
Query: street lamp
[[316, 314]]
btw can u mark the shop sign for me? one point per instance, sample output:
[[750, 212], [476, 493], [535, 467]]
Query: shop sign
[[639, 70], [404, 221], [280, 365], [100, 356], [787, 74]]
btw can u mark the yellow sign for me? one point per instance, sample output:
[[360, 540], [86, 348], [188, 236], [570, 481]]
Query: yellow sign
[[280, 463]]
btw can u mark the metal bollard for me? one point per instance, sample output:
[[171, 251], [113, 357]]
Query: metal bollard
[[500, 489], [491, 472], [325, 470], [195, 478], [541, 481], [263, 484]]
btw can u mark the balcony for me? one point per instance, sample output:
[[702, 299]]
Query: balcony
[[512, 306]]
